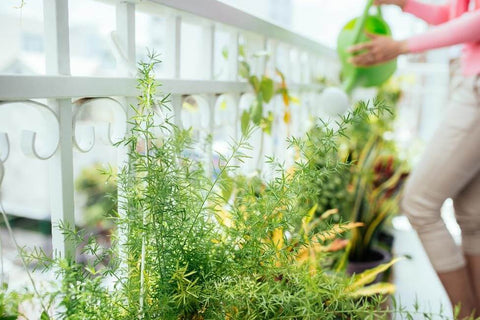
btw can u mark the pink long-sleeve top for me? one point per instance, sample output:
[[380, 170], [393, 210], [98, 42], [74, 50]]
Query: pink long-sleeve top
[[456, 25]]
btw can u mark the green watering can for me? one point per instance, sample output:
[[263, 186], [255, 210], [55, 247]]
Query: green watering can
[[353, 33], [335, 100]]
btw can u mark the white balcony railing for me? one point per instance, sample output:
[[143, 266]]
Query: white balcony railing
[[301, 59]]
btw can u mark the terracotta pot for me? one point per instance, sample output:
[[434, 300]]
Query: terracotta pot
[[360, 266]]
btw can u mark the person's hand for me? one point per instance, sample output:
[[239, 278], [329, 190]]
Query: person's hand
[[379, 50], [399, 3]]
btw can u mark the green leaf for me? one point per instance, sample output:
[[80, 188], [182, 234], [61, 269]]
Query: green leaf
[[227, 186], [253, 80], [44, 316], [244, 121], [267, 88], [225, 52], [267, 122], [91, 270], [244, 70], [241, 51], [257, 110]]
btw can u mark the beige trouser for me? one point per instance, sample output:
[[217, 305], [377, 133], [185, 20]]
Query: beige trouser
[[450, 168]]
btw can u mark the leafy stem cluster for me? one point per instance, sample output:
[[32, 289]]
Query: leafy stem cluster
[[264, 89]]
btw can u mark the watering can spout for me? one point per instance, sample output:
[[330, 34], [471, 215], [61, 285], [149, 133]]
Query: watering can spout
[[349, 84]]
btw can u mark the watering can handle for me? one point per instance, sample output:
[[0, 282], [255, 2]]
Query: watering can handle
[[357, 32], [360, 24], [379, 11]]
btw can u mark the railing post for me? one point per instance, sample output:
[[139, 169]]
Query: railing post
[[61, 164], [176, 100], [236, 56], [125, 29], [212, 98], [178, 46]]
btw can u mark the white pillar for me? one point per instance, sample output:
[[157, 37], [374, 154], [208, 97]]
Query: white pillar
[[61, 164]]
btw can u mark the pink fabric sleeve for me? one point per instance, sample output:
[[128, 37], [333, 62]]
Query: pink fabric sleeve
[[432, 14], [463, 29]]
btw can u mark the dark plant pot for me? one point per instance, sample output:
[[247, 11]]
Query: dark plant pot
[[382, 256], [386, 239]]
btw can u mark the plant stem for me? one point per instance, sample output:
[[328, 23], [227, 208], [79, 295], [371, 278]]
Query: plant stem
[[207, 196], [24, 263], [144, 221]]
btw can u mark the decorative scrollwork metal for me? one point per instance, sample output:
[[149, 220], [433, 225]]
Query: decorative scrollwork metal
[[195, 112], [4, 153], [29, 138], [80, 104], [4, 147]]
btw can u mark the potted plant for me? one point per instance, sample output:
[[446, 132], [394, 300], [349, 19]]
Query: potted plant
[[376, 177], [364, 178], [376, 187]]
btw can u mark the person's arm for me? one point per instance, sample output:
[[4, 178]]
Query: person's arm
[[463, 29], [432, 14]]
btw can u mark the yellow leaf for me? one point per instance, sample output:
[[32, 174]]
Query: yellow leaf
[[286, 99], [369, 275], [313, 266], [223, 217], [337, 229], [308, 255], [287, 117], [328, 213], [290, 172], [223, 105], [337, 245], [302, 255], [308, 218], [311, 213], [277, 238], [309, 252], [377, 288], [294, 100]]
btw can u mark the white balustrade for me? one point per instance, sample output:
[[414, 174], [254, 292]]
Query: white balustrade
[[211, 103]]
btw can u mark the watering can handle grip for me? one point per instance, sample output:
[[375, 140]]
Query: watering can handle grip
[[360, 24], [379, 11]]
